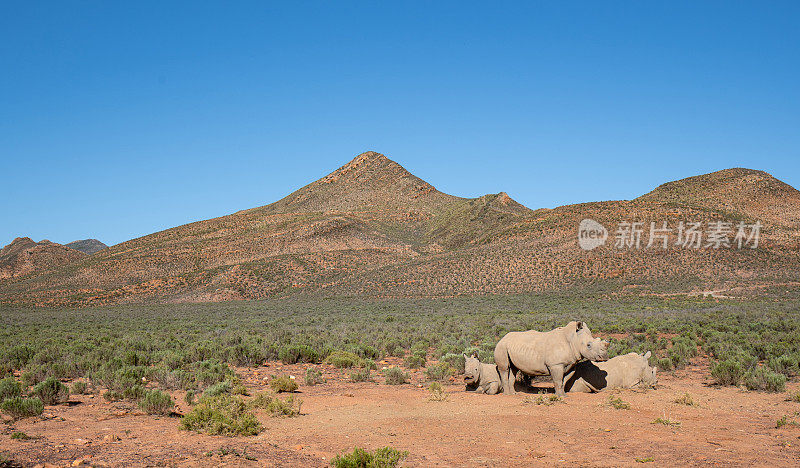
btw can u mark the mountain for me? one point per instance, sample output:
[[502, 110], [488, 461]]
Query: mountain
[[23, 257], [372, 228], [87, 246]]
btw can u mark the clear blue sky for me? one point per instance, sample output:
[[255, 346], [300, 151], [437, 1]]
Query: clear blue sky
[[120, 120]]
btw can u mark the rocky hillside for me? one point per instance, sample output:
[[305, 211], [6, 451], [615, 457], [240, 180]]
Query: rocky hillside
[[372, 228], [87, 246], [23, 257]]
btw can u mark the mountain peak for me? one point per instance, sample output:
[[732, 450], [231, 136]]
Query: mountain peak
[[370, 181]]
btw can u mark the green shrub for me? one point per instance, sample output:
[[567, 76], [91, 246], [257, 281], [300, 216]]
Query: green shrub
[[395, 376], [415, 361], [78, 388], [663, 363], [221, 415], [19, 407], [218, 389], [343, 359], [51, 391], [298, 353], [156, 402], [456, 361], [189, 398], [314, 377], [276, 406], [785, 364], [439, 371], [728, 372], [283, 383], [360, 375], [386, 457], [19, 435], [764, 379], [9, 388]]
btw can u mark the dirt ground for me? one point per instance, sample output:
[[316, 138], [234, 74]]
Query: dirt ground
[[729, 427]]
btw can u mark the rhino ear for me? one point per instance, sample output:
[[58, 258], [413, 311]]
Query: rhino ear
[[578, 325], [646, 355], [465, 356], [475, 355]]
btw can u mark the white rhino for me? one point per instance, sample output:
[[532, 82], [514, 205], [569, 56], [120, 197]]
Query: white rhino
[[627, 371], [541, 353], [483, 377]]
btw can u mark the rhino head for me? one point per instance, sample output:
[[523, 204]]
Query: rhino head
[[593, 349], [648, 373], [472, 369]]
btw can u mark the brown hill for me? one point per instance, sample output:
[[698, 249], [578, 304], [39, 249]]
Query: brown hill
[[87, 246], [23, 257], [372, 228]]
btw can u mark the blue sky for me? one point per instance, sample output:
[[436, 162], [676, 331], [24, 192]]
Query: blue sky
[[117, 121]]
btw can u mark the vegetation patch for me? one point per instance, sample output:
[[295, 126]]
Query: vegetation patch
[[395, 376], [437, 392], [283, 383], [314, 377], [156, 402], [386, 457], [20, 407], [618, 403], [685, 399], [221, 415], [51, 391]]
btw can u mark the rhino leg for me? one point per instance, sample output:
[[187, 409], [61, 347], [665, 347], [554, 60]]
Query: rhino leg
[[480, 389], [557, 372], [493, 388], [507, 378]]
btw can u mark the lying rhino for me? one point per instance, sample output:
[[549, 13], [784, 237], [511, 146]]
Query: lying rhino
[[541, 353], [626, 371], [483, 377]]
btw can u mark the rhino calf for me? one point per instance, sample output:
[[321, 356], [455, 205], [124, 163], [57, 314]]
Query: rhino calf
[[542, 353], [483, 377], [627, 371]]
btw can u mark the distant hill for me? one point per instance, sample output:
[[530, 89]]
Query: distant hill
[[372, 228], [87, 246], [24, 257]]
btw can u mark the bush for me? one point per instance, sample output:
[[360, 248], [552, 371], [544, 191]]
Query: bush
[[415, 361], [298, 353], [221, 415], [764, 379], [343, 359], [19, 407], [51, 391], [728, 372], [439, 371], [456, 361], [218, 389], [395, 376], [19, 435], [314, 377], [283, 383], [361, 375], [78, 388], [277, 407], [156, 402], [385, 457], [9, 388]]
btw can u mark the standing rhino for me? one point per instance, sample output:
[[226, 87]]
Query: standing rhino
[[483, 377], [627, 371], [541, 353]]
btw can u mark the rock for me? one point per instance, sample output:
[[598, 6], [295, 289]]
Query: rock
[[82, 441], [298, 447], [111, 438]]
